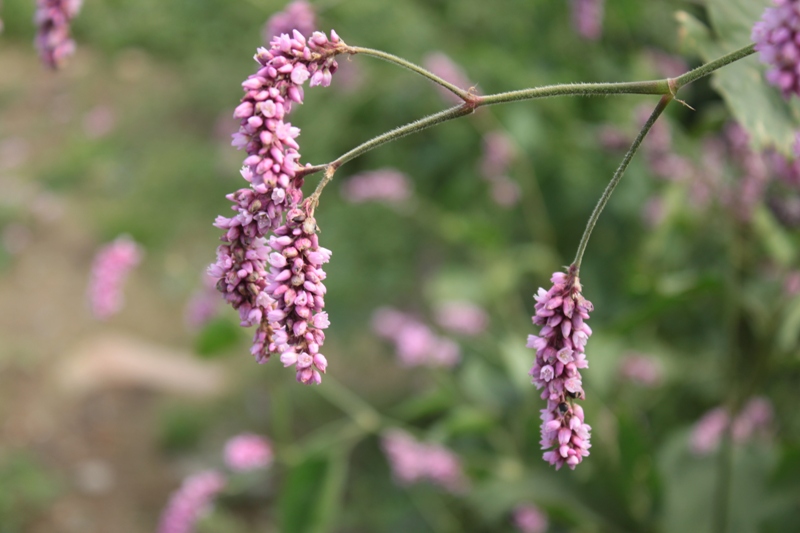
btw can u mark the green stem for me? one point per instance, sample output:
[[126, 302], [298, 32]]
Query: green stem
[[361, 412], [601, 204], [461, 93], [667, 86], [708, 68]]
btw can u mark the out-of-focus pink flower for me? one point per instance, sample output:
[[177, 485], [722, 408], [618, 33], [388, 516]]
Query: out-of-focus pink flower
[[203, 305], [247, 452], [792, 283], [498, 155], [666, 64], [111, 267], [440, 64], [776, 36], [755, 416], [653, 211], [190, 502], [462, 317], [641, 369], [529, 519], [413, 461], [297, 15], [416, 343], [53, 39], [587, 18], [99, 121], [707, 431], [387, 185]]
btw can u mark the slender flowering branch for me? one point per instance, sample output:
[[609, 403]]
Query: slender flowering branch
[[461, 93], [668, 86], [606, 196]]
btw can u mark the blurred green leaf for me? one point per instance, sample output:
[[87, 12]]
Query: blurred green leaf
[[312, 492], [217, 336]]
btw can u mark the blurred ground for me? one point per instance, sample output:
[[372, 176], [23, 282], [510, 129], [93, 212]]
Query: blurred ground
[[77, 399]]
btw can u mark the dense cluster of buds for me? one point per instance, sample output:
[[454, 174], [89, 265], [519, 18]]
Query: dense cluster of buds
[[413, 461], [777, 38], [53, 39], [561, 312], [289, 319], [297, 320]]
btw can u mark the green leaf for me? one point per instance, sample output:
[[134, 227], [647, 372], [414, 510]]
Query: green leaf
[[216, 337], [312, 493]]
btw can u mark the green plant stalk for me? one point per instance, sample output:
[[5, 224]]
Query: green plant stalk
[[606, 196], [667, 86], [461, 93]]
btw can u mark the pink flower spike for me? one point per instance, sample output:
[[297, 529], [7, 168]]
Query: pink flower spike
[[561, 312], [53, 41], [247, 452], [462, 317]]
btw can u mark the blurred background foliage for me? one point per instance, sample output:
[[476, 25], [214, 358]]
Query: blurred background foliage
[[133, 137]]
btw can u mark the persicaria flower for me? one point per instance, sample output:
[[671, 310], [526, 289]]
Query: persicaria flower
[[529, 519], [387, 185], [297, 320], [53, 39], [247, 452], [190, 502], [413, 461], [274, 176], [110, 268], [297, 15], [561, 312], [416, 343], [498, 154], [776, 37], [707, 431]]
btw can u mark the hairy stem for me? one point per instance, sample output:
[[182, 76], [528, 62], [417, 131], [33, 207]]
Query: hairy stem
[[461, 93], [601, 204], [667, 86]]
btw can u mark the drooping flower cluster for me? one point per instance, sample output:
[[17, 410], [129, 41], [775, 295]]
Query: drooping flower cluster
[[274, 175], [297, 320], [297, 15], [587, 18], [190, 502], [110, 268], [529, 519], [413, 461], [386, 185], [561, 312], [53, 39], [777, 38], [247, 452], [416, 344]]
